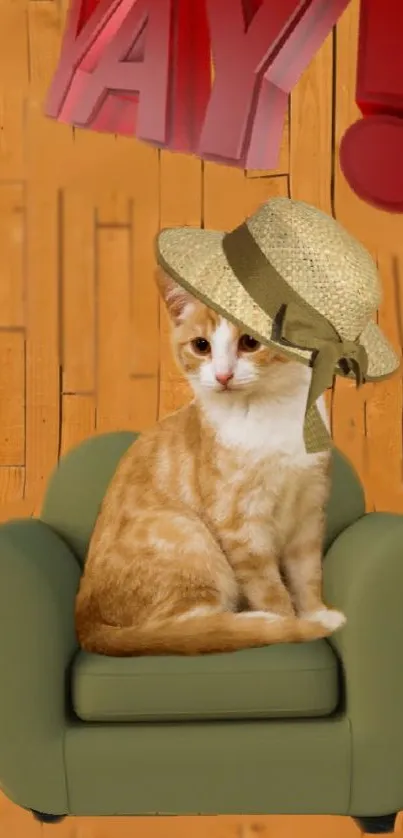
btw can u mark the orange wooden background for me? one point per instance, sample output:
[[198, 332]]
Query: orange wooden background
[[83, 339]]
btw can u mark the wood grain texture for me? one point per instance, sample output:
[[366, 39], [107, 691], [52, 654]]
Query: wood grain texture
[[144, 300], [78, 415], [311, 131], [18, 824], [78, 240], [43, 336], [12, 241], [113, 341], [181, 204], [384, 405], [84, 339], [12, 413]]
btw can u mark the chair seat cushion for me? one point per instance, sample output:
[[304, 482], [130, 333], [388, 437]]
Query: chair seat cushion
[[281, 681]]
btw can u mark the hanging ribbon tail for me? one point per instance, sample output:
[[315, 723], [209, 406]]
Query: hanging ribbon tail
[[323, 370], [300, 328], [316, 434]]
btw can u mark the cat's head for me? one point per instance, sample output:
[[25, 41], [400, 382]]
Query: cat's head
[[217, 356]]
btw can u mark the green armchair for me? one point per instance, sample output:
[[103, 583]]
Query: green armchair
[[315, 728]]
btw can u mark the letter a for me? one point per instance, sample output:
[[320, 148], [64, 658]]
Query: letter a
[[136, 66], [148, 77], [82, 32]]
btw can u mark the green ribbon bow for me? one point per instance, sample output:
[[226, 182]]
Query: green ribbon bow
[[296, 324], [304, 329]]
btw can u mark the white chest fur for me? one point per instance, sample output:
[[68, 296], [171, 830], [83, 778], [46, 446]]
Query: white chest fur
[[267, 426]]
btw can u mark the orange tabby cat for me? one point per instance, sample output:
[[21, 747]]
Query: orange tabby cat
[[210, 535]]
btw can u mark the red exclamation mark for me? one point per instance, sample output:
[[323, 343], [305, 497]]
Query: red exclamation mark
[[371, 152]]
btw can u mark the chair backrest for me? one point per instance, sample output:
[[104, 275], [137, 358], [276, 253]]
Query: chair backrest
[[77, 487]]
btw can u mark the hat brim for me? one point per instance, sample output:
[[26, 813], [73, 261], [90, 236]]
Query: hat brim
[[196, 260]]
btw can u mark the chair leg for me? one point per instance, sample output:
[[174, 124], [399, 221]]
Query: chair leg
[[44, 818], [376, 824]]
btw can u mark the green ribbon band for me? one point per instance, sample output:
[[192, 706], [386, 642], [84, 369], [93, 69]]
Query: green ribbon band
[[296, 324]]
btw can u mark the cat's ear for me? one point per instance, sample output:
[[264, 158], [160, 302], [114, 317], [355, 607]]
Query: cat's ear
[[178, 302]]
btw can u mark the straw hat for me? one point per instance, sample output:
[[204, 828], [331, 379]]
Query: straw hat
[[294, 279]]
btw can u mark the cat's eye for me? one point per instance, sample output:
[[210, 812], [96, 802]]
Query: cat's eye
[[248, 344], [201, 346]]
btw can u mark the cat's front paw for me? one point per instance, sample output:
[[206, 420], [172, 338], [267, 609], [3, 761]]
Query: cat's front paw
[[329, 618]]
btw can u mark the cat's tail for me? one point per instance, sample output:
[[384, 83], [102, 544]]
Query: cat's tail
[[197, 635]]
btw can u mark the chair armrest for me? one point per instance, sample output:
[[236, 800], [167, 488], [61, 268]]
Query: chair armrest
[[363, 576], [39, 577]]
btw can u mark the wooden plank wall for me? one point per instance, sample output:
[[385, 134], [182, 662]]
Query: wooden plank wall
[[84, 342]]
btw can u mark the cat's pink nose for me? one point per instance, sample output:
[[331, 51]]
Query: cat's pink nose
[[224, 377]]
